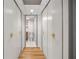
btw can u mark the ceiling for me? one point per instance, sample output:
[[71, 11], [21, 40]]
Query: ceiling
[[26, 7], [32, 2]]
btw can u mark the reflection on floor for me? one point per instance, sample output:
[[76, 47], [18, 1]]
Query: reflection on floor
[[30, 44], [32, 53]]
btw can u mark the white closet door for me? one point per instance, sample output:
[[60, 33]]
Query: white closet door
[[52, 30], [44, 27], [55, 29]]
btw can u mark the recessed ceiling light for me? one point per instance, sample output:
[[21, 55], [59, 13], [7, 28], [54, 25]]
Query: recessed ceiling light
[[31, 10]]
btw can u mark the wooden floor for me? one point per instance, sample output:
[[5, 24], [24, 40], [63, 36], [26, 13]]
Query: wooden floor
[[32, 53]]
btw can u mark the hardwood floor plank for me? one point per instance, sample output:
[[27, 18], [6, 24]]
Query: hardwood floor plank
[[32, 53]]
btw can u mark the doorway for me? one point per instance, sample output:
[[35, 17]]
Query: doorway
[[31, 31]]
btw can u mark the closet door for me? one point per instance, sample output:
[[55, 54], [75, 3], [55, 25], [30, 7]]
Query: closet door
[[44, 30], [54, 19]]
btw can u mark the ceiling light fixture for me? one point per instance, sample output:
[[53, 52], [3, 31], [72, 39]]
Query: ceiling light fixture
[[31, 10]]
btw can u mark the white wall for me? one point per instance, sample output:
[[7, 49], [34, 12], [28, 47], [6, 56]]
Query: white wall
[[23, 31], [55, 27], [12, 25], [52, 24], [65, 30], [45, 32], [39, 31]]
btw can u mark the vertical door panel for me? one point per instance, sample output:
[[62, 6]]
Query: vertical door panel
[[55, 29], [52, 29], [44, 24]]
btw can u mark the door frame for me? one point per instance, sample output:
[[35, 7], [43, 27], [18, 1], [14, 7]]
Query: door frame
[[36, 28], [72, 29]]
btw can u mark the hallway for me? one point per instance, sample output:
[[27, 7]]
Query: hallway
[[36, 29], [32, 53]]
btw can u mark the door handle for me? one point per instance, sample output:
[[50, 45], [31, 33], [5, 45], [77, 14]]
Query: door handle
[[53, 35]]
